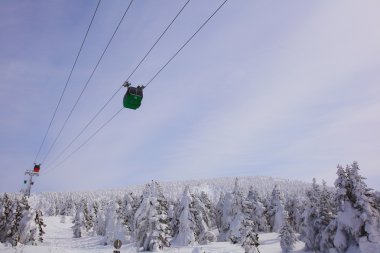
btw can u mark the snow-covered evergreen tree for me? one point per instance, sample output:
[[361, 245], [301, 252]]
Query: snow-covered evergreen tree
[[6, 218], [249, 225], [288, 237], [2, 219], [88, 218], [126, 211], [219, 211], [78, 223], [310, 218], [40, 225], [358, 219], [202, 215], [99, 220], [276, 210], [208, 210], [186, 221], [151, 220], [173, 211], [295, 209], [27, 230], [326, 213], [21, 208], [232, 217], [251, 243], [114, 227], [254, 210], [326, 241]]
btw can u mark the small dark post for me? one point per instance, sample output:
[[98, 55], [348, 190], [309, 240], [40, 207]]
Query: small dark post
[[117, 244]]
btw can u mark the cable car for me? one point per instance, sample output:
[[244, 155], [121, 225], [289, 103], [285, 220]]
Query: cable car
[[36, 168], [25, 181], [133, 96]]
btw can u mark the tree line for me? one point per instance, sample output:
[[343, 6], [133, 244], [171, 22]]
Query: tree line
[[323, 217]]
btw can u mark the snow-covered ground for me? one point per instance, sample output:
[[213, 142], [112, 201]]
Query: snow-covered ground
[[59, 239]]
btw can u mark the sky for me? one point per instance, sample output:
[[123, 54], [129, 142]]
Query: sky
[[286, 89]]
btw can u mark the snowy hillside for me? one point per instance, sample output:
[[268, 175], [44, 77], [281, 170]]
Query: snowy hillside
[[219, 215], [173, 190]]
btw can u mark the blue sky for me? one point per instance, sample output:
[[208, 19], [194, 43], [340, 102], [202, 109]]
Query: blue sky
[[271, 88]]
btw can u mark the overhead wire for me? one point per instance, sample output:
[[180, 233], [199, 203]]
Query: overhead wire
[[157, 73], [87, 82], [180, 49], [67, 81], [128, 78], [88, 139]]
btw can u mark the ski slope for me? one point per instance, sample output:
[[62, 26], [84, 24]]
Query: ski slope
[[59, 239]]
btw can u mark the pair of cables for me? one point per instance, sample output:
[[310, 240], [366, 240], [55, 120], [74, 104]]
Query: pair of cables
[[84, 87], [131, 74], [67, 82]]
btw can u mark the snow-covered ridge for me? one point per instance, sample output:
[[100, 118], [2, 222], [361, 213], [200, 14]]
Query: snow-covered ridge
[[213, 187]]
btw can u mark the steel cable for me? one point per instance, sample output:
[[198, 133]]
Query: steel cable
[[108, 121], [67, 81], [88, 81], [114, 94]]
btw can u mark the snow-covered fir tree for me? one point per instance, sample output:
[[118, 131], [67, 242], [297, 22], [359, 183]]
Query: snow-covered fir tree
[[17, 223], [249, 225], [276, 210], [326, 242], [186, 221], [287, 237], [232, 216], [254, 209], [27, 230], [40, 225], [21, 209], [219, 211], [151, 223], [2, 219], [173, 210], [88, 218], [358, 218], [251, 243], [326, 213], [78, 226], [114, 228], [6, 218], [126, 210], [294, 208], [99, 220], [310, 218], [376, 195], [208, 210], [202, 216]]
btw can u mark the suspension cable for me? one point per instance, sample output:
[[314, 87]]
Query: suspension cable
[[88, 81], [131, 74], [67, 81], [88, 139], [109, 120], [179, 50]]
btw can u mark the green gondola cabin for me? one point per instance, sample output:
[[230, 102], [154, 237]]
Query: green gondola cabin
[[133, 97]]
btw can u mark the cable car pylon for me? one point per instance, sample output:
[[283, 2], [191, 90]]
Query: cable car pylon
[[31, 174]]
